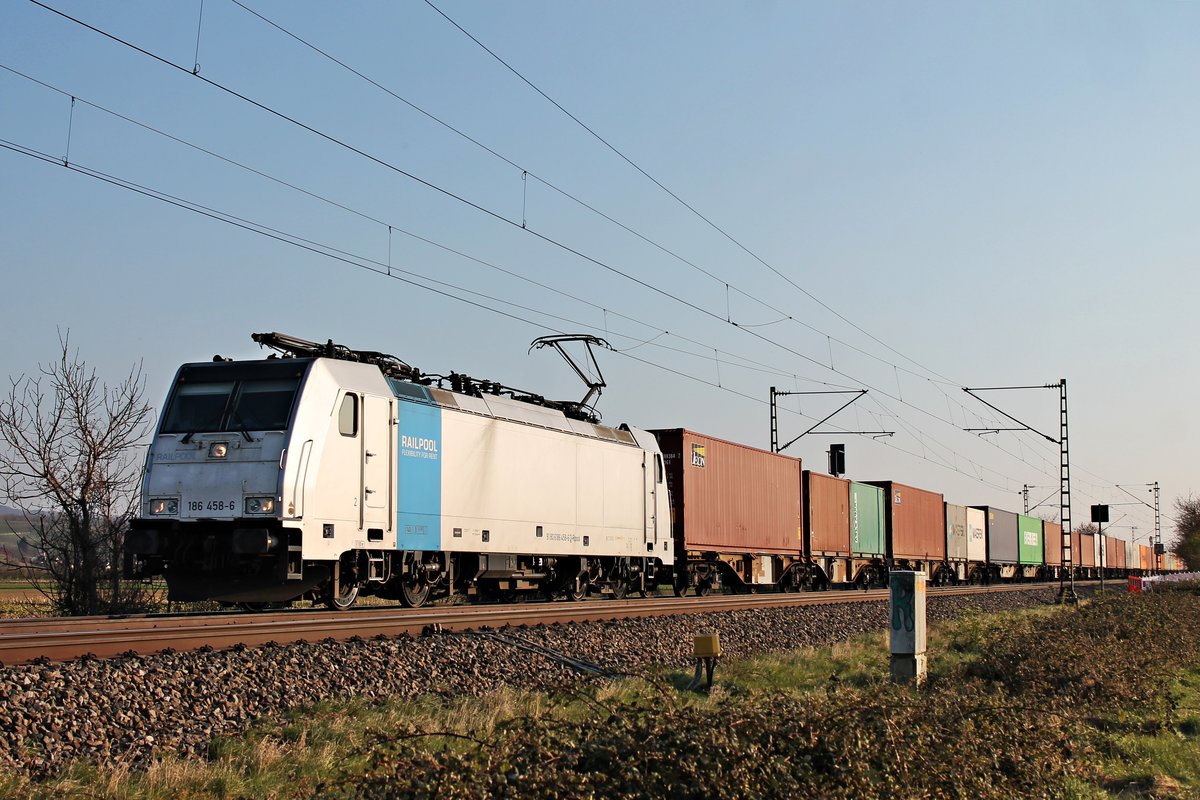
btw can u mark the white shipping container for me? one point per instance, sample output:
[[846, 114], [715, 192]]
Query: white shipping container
[[976, 534]]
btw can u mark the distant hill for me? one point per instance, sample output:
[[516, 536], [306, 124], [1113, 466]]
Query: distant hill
[[6, 511]]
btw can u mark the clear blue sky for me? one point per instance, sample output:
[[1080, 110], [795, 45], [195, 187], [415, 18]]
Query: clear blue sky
[[1002, 193]]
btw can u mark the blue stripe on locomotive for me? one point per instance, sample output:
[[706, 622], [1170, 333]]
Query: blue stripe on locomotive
[[419, 469]]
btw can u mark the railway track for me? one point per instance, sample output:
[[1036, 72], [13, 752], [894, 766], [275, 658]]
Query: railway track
[[64, 639]]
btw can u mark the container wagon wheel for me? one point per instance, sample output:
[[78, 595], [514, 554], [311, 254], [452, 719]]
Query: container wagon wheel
[[343, 599], [703, 587]]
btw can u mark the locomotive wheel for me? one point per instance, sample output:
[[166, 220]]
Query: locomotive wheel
[[619, 589], [413, 593], [575, 591], [650, 590], [344, 599]]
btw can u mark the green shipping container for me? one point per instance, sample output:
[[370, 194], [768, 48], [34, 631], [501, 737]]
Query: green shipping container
[[1029, 533], [866, 520]]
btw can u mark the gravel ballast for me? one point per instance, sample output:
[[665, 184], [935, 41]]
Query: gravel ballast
[[135, 708]]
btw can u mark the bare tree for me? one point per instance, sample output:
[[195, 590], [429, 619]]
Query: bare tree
[[70, 460], [1187, 529]]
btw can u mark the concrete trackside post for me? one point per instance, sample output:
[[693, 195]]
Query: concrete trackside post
[[907, 615]]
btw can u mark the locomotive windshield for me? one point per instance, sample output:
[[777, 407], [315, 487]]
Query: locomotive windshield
[[218, 398]]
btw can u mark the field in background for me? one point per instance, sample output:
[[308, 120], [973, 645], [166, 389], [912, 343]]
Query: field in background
[[12, 530]]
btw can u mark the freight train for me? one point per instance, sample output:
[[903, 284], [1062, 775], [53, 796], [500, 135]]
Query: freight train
[[326, 473]]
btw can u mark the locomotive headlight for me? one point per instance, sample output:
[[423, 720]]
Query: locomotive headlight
[[164, 506], [218, 450], [260, 505]]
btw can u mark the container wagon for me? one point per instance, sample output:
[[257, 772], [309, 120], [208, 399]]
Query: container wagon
[[1114, 556], [977, 568], [1003, 551], [1053, 538], [1084, 544], [957, 555], [915, 525], [1031, 548], [736, 514], [843, 531], [868, 534]]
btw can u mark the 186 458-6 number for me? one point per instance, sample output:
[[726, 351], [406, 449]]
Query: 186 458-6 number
[[211, 505]]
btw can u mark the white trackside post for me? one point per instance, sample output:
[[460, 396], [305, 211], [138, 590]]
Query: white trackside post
[[907, 615]]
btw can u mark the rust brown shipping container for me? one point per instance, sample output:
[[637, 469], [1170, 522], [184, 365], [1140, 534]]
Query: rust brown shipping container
[[1053, 539], [1146, 555], [826, 514], [916, 522], [731, 498], [1114, 552], [1085, 545]]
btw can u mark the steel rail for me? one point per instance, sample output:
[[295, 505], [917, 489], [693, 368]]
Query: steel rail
[[63, 639]]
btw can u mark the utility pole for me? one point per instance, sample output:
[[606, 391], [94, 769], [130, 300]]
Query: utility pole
[[1157, 533], [1066, 578], [1152, 487], [778, 448], [1066, 594]]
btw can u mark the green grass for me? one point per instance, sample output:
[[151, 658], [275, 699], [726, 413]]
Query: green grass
[[1156, 751]]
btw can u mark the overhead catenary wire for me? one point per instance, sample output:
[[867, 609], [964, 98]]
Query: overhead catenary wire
[[470, 203], [492, 214], [675, 196], [742, 361], [375, 267], [708, 221], [526, 173], [453, 195]]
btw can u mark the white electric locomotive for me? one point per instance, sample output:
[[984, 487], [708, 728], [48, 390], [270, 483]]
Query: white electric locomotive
[[328, 473]]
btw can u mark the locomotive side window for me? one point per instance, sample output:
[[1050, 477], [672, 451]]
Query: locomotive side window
[[658, 468], [197, 407], [348, 415]]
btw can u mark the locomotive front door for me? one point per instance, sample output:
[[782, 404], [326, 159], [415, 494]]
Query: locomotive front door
[[378, 460]]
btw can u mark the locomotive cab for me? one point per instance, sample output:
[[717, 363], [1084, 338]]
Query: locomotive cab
[[212, 493]]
